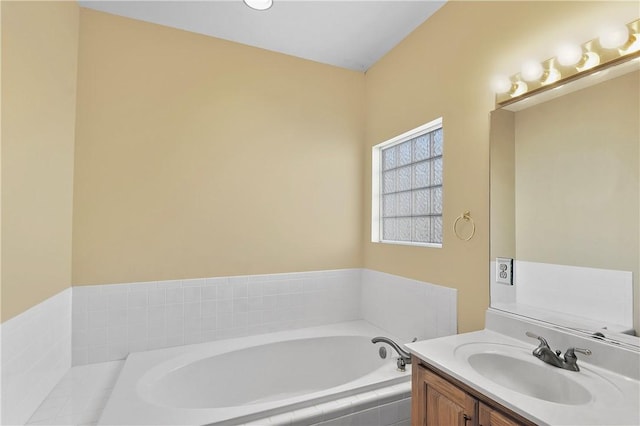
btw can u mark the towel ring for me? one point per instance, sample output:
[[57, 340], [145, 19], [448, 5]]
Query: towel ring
[[467, 217]]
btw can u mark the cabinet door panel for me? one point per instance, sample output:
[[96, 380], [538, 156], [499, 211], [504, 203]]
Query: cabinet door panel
[[442, 410], [491, 417], [437, 402]]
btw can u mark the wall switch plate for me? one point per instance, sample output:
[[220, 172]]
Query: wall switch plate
[[504, 270]]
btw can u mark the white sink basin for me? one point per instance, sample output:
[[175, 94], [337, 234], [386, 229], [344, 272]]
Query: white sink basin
[[530, 379], [516, 369]]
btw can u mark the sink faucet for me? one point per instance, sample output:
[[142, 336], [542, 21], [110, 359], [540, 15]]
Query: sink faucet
[[544, 353], [571, 360], [405, 357]]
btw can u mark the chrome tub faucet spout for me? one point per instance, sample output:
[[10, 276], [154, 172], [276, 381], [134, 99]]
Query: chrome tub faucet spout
[[403, 359]]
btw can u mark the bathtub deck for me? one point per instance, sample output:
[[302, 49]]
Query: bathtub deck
[[82, 394], [80, 397]]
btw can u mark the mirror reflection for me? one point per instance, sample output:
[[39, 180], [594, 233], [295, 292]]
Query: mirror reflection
[[565, 204]]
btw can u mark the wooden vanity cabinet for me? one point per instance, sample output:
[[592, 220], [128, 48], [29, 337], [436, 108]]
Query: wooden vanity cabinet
[[489, 416], [440, 400]]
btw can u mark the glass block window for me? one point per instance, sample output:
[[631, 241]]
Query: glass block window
[[407, 187]]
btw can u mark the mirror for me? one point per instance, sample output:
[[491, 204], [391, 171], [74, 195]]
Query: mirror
[[565, 205]]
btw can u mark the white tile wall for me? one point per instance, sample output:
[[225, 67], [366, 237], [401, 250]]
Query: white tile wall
[[109, 321], [36, 353], [408, 308], [397, 413]]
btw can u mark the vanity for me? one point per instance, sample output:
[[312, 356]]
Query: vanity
[[491, 377], [559, 347], [441, 399]]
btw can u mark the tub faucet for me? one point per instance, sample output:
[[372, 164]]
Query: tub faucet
[[544, 353], [403, 359]]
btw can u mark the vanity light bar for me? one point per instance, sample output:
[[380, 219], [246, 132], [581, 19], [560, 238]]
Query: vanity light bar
[[616, 46]]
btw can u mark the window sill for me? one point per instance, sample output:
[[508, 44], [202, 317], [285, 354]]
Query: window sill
[[409, 243]]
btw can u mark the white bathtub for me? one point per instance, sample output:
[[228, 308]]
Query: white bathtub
[[302, 376]]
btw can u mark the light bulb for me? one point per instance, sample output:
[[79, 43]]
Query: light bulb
[[531, 70], [614, 36], [569, 54], [501, 84], [589, 60], [259, 4]]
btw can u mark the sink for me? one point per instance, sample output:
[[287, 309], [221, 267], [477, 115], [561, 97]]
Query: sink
[[515, 368], [533, 379], [504, 370]]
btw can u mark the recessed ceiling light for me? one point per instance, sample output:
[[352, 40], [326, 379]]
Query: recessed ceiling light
[[259, 4]]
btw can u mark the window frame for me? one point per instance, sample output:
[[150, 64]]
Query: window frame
[[376, 183]]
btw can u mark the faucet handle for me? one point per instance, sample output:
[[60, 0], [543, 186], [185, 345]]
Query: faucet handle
[[543, 341], [571, 360], [571, 352]]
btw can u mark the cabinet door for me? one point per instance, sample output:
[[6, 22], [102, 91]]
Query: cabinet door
[[437, 402], [490, 417]]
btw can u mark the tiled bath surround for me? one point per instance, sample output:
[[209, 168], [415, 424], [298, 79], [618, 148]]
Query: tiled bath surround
[[408, 308], [90, 324], [393, 414], [36, 354], [109, 321]]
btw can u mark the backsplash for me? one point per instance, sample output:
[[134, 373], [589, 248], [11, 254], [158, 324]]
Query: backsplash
[[109, 321], [596, 297]]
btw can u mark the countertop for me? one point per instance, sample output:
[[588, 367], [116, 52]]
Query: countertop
[[615, 398]]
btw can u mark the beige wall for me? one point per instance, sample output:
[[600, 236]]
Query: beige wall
[[198, 157], [577, 178], [502, 184], [443, 69], [39, 63]]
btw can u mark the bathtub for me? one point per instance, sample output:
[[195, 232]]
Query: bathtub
[[302, 376]]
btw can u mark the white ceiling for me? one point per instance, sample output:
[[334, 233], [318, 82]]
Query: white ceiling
[[349, 34]]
